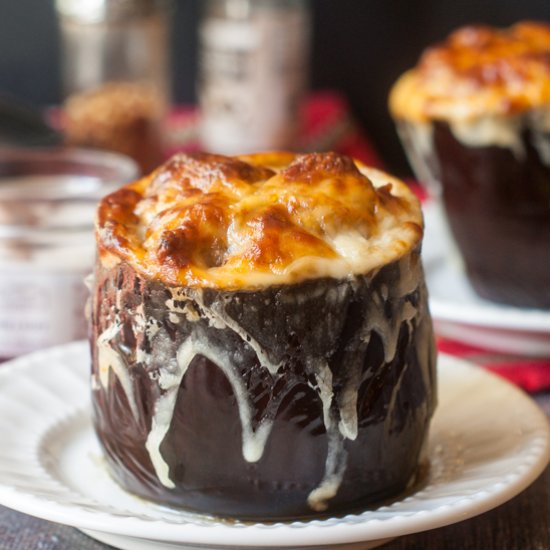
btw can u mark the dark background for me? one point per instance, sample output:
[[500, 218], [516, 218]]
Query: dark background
[[359, 47]]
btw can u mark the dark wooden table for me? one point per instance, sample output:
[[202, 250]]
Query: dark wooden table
[[521, 524]]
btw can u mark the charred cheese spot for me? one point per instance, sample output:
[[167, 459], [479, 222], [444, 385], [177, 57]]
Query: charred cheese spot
[[204, 171], [317, 167], [117, 222], [478, 71], [194, 236], [271, 241], [271, 218], [118, 207]]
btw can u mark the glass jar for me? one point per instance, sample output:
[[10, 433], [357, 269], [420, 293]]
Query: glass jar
[[47, 208], [253, 73], [115, 68]]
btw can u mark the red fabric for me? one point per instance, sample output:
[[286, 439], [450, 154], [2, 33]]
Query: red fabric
[[327, 124], [532, 374]]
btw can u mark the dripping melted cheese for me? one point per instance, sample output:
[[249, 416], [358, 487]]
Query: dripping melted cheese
[[238, 223]]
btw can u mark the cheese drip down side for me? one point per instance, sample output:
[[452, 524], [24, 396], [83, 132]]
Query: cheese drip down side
[[490, 86], [225, 329], [253, 439], [489, 131]]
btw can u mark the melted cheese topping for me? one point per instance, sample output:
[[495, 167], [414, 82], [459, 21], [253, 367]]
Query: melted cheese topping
[[478, 71], [246, 222]]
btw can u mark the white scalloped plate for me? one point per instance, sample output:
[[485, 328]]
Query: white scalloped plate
[[488, 442], [462, 315]]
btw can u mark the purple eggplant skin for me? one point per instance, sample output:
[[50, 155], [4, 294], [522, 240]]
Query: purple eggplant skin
[[497, 203], [373, 333]]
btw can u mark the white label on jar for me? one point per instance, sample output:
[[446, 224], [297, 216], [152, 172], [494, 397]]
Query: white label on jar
[[40, 309], [253, 74]]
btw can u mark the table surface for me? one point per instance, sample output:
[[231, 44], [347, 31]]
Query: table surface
[[522, 523]]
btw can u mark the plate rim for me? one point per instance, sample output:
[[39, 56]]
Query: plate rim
[[287, 533]]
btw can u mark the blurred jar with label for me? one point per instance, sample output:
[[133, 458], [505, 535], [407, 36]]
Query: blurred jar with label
[[115, 65], [48, 200], [254, 57]]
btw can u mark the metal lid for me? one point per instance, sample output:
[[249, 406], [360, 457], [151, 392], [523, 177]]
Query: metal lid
[[98, 11]]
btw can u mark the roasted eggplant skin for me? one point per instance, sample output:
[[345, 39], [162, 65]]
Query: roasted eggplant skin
[[334, 444]]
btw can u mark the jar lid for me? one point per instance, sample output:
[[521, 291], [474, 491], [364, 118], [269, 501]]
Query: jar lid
[[29, 202], [98, 11], [56, 190]]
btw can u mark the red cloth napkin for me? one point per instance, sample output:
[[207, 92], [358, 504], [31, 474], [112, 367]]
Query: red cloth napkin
[[531, 374], [328, 125]]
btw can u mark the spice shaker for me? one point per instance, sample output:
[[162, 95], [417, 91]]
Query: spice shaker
[[116, 75], [253, 71]]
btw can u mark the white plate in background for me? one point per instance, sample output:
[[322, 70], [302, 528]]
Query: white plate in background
[[462, 315], [481, 455]]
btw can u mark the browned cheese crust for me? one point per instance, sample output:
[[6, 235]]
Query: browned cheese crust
[[205, 220], [478, 71]]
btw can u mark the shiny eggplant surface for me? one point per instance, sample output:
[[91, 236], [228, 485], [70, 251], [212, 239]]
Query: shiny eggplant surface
[[282, 402], [498, 205]]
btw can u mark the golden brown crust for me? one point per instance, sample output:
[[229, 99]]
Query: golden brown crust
[[478, 71], [269, 218]]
